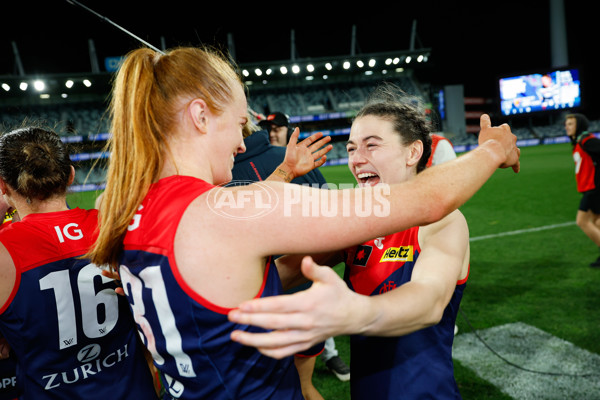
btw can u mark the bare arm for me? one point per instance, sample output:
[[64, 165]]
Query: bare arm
[[307, 220], [421, 302], [8, 275], [330, 308], [245, 224]]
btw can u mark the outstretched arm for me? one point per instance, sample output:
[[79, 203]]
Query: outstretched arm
[[293, 221], [303, 157], [330, 308]]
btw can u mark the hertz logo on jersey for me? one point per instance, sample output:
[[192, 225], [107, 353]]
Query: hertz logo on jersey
[[402, 253]]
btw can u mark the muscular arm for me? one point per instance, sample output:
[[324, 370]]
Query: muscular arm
[[240, 237], [297, 224], [421, 302], [301, 319]]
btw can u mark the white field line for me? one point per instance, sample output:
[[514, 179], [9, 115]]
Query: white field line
[[531, 364], [521, 231]]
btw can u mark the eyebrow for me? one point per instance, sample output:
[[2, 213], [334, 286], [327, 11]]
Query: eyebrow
[[365, 139]]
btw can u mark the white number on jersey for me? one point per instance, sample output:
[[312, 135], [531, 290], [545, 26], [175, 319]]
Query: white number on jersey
[[151, 278], [60, 283]]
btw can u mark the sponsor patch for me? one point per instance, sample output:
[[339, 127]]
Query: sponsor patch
[[402, 253], [361, 256]]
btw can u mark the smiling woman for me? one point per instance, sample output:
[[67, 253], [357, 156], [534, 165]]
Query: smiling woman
[[178, 119], [394, 130], [414, 279]]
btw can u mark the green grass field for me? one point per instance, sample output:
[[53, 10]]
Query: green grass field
[[541, 278]]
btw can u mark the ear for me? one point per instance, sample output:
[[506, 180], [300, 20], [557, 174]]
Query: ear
[[3, 187], [71, 176], [198, 113], [415, 153]]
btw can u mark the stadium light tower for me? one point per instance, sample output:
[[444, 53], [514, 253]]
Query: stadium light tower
[[18, 63]]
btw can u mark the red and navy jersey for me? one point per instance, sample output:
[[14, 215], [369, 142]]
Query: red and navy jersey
[[188, 336], [586, 155], [73, 336], [414, 366]]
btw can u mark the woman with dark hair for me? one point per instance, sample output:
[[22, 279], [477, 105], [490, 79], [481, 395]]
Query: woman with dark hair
[[402, 290], [189, 250], [72, 335]]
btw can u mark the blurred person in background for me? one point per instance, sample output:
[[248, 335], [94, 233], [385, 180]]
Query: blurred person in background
[[263, 156], [297, 163], [586, 155], [442, 150], [277, 125]]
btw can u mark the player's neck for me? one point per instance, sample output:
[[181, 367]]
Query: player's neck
[[31, 206]]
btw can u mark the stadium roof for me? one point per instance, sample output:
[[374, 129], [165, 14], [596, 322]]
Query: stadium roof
[[471, 42]]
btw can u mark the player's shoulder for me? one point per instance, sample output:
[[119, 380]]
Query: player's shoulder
[[454, 221]]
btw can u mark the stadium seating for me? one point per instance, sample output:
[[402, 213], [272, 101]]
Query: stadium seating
[[87, 125]]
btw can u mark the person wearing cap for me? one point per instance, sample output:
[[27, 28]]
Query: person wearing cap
[[277, 124], [260, 160], [586, 155]]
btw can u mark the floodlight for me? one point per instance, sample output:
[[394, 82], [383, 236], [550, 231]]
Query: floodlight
[[39, 85]]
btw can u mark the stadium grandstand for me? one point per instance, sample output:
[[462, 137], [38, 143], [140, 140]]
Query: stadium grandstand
[[318, 94], [325, 106]]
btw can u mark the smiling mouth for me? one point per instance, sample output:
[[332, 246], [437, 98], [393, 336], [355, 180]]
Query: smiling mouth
[[368, 179]]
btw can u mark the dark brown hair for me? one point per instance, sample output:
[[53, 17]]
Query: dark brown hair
[[34, 162], [406, 114]]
